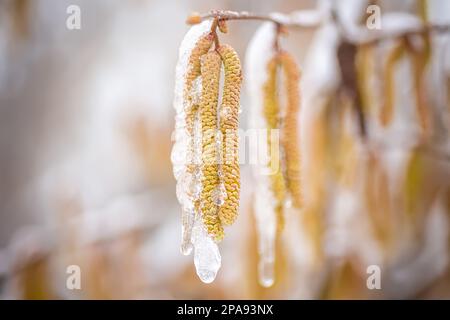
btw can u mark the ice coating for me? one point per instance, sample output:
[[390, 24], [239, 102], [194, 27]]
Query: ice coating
[[266, 224], [181, 137], [188, 43], [207, 258], [181, 149], [220, 194], [186, 152], [187, 223], [259, 52]]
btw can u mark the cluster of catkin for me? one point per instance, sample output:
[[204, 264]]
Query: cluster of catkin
[[285, 182], [218, 201]]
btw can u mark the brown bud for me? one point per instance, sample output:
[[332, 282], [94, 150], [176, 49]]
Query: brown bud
[[222, 25], [194, 18]]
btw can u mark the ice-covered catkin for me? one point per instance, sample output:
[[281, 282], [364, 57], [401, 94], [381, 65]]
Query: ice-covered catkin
[[272, 115], [290, 139], [229, 124], [191, 97], [210, 73], [201, 47], [194, 65], [393, 58], [184, 155], [419, 59]]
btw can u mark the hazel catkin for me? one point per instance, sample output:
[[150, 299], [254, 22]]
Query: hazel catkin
[[191, 100], [419, 60], [393, 58], [272, 115], [229, 123], [201, 47], [210, 73], [290, 140]]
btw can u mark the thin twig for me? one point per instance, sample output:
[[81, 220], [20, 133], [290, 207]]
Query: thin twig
[[214, 31], [279, 19], [366, 38]]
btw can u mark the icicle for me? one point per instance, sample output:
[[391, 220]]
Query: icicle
[[259, 52], [195, 187], [266, 271], [207, 258], [266, 226], [187, 218]]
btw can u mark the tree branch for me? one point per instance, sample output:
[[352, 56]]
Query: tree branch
[[279, 19], [369, 37]]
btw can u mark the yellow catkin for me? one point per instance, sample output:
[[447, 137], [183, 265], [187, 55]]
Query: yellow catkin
[[290, 140], [419, 61], [389, 77], [272, 116], [229, 124], [201, 47], [210, 73], [375, 187], [365, 70], [191, 104], [422, 10]]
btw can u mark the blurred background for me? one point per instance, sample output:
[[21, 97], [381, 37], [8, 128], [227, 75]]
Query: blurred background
[[86, 119]]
